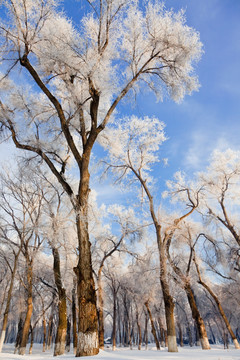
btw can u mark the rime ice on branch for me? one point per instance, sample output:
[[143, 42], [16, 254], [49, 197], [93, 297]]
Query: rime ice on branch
[[60, 86]]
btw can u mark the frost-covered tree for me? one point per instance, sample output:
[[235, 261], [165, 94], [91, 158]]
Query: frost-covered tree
[[220, 203], [181, 265], [105, 243], [60, 86], [60, 236], [132, 157], [22, 203]]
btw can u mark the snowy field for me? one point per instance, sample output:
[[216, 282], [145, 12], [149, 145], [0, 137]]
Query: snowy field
[[186, 353]]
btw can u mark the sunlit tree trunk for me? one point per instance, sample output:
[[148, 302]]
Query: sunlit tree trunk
[[219, 306], [197, 317], [168, 301], [88, 322], [152, 325], [27, 322]]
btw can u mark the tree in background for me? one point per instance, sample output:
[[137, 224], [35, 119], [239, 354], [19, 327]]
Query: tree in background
[[22, 205], [133, 156]]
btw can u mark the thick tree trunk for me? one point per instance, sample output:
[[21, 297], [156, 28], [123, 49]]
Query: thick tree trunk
[[168, 302], [60, 339], [26, 327], [152, 325], [88, 322], [197, 317], [27, 322]]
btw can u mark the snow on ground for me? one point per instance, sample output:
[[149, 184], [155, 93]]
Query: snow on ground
[[216, 353]]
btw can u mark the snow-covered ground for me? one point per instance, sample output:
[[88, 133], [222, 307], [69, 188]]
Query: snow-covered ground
[[186, 353]]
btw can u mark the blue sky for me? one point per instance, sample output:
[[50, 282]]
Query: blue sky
[[208, 119]]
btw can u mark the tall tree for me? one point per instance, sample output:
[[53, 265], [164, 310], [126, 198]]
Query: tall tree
[[72, 81], [182, 270], [133, 156]]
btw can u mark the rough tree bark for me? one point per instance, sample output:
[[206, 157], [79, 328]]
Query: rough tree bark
[[27, 322], [197, 317], [88, 321], [168, 300]]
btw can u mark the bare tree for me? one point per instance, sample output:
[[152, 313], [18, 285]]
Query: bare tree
[[21, 203]]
